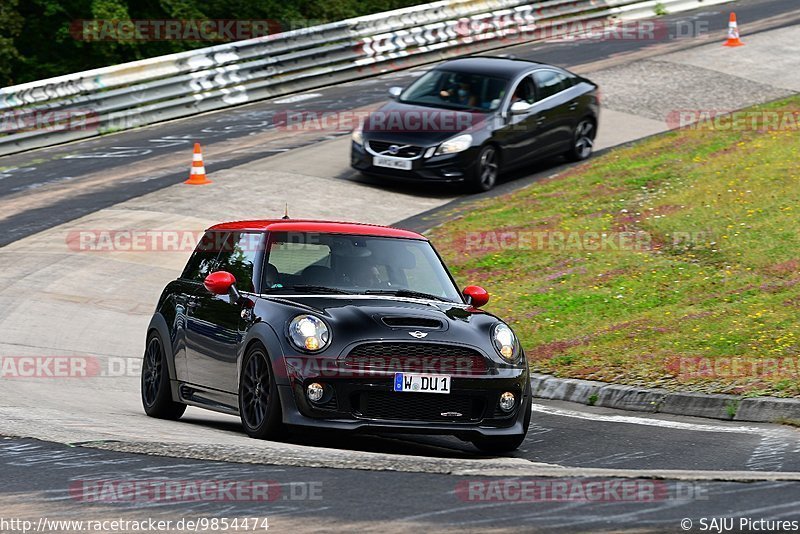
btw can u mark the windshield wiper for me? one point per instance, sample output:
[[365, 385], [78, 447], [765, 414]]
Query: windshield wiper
[[322, 289], [313, 288], [405, 293], [435, 105]]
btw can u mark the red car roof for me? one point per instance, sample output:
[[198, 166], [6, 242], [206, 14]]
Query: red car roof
[[324, 227]]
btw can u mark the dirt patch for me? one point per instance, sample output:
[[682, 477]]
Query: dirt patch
[[784, 268], [560, 274], [547, 351]]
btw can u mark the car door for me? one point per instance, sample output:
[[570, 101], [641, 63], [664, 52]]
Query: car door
[[518, 134], [200, 264], [215, 321], [556, 105]]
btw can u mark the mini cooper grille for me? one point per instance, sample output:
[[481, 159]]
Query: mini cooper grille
[[418, 406], [415, 357], [402, 151]]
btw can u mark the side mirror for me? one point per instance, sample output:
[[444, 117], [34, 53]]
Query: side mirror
[[476, 296], [519, 107], [394, 92], [220, 282]]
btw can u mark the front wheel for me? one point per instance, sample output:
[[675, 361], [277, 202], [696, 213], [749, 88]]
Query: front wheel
[[259, 405], [487, 169], [156, 395], [582, 141]]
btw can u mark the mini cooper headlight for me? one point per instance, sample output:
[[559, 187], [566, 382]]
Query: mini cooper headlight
[[309, 333], [357, 136], [456, 144], [505, 342]]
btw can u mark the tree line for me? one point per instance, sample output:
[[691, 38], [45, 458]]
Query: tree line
[[45, 38]]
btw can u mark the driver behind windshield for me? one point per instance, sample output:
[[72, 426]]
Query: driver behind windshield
[[460, 93], [365, 275]]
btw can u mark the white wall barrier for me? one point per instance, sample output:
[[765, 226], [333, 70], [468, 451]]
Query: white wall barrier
[[129, 95]]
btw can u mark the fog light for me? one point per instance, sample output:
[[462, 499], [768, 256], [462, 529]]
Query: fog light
[[507, 401], [316, 391]]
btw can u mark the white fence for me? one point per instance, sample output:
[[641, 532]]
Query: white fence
[[144, 92]]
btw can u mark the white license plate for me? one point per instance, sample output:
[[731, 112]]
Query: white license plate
[[392, 163], [422, 383]]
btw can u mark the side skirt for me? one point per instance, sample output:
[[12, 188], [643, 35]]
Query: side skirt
[[210, 399]]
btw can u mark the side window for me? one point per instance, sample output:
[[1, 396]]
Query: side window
[[238, 257], [549, 83], [525, 91], [203, 259]]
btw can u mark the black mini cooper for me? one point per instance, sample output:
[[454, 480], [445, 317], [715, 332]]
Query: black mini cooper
[[469, 119], [290, 323]]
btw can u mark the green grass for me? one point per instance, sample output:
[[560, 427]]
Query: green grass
[[715, 285]]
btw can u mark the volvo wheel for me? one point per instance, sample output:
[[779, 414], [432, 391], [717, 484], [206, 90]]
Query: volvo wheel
[[487, 169], [582, 140]]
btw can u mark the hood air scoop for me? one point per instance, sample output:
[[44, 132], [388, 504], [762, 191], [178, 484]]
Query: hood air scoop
[[411, 322]]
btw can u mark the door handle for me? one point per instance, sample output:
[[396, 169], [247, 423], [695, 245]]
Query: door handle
[[541, 120], [573, 106]]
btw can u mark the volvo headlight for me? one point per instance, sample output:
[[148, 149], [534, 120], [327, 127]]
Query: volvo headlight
[[456, 144], [309, 333], [358, 136], [505, 342]]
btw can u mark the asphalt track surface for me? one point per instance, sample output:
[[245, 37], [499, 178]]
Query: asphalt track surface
[[715, 469], [43, 480]]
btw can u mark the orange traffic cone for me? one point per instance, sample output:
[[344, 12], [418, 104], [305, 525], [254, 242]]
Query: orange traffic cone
[[198, 174], [733, 33]]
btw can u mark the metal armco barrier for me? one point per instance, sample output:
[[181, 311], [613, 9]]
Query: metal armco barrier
[[85, 104]]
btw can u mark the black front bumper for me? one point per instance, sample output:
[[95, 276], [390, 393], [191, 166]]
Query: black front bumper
[[369, 404], [449, 168]]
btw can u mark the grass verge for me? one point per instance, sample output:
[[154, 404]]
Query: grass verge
[[673, 263]]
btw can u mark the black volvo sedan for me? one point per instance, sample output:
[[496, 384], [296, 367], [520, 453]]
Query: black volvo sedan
[[469, 119], [290, 323]]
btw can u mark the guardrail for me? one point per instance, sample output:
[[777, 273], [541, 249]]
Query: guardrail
[[144, 92]]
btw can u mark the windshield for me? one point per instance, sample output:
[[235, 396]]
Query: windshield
[[456, 90], [332, 263]]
